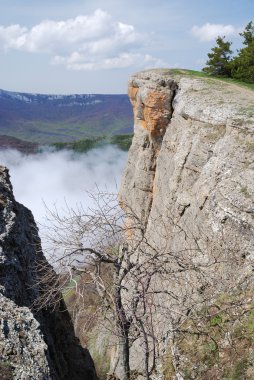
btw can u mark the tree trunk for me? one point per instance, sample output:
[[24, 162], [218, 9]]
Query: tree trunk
[[122, 327], [123, 368]]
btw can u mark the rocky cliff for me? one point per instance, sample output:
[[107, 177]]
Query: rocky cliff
[[190, 172], [33, 345], [192, 154]]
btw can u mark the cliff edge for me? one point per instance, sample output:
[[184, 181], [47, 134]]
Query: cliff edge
[[190, 179], [192, 157]]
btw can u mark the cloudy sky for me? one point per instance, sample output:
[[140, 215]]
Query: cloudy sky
[[93, 46]]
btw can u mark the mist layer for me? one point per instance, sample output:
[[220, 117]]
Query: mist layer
[[54, 179]]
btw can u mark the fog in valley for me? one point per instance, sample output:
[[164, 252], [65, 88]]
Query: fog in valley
[[57, 178]]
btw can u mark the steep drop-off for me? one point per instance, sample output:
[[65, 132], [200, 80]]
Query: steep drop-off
[[190, 179], [33, 345], [192, 156]]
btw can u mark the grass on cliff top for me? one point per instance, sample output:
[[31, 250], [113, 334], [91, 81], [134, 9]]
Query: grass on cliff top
[[204, 75]]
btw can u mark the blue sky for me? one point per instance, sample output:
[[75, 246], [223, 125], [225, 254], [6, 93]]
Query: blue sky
[[83, 46]]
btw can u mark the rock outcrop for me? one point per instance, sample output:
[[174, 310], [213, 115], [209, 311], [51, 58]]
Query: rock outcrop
[[190, 173], [192, 157], [33, 345]]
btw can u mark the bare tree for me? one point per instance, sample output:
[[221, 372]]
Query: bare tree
[[153, 290]]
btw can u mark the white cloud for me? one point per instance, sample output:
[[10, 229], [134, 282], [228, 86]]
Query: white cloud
[[209, 32], [11, 37], [78, 62], [87, 42]]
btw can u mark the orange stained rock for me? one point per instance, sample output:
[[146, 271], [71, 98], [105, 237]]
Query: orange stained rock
[[154, 113], [154, 119]]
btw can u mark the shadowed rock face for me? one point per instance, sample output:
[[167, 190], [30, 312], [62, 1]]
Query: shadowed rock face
[[32, 346]]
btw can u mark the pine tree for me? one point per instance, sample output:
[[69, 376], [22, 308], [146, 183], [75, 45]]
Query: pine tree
[[219, 62], [243, 64], [248, 34]]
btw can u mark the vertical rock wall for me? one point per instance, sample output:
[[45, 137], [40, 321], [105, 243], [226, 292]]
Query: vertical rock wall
[[152, 108], [190, 177], [191, 160], [32, 345]]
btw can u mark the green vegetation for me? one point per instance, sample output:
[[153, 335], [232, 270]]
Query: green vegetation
[[123, 142], [80, 146], [84, 311], [243, 64], [204, 75], [47, 132], [217, 343], [221, 63]]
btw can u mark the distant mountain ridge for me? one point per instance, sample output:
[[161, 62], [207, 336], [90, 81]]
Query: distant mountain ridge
[[44, 119], [80, 99]]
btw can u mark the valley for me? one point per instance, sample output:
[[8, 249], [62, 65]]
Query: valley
[[28, 121], [160, 288]]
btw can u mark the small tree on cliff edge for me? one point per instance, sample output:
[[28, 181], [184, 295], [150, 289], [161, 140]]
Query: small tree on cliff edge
[[219, 62]]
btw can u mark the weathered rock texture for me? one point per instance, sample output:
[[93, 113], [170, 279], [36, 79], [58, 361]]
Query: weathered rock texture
[[192, 156], [191, 165], [152, 106], [32, 345]]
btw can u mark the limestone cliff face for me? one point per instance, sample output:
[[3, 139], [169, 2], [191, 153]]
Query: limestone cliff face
[[191, 160], [190, 174], [152, 106], [32, 345]]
